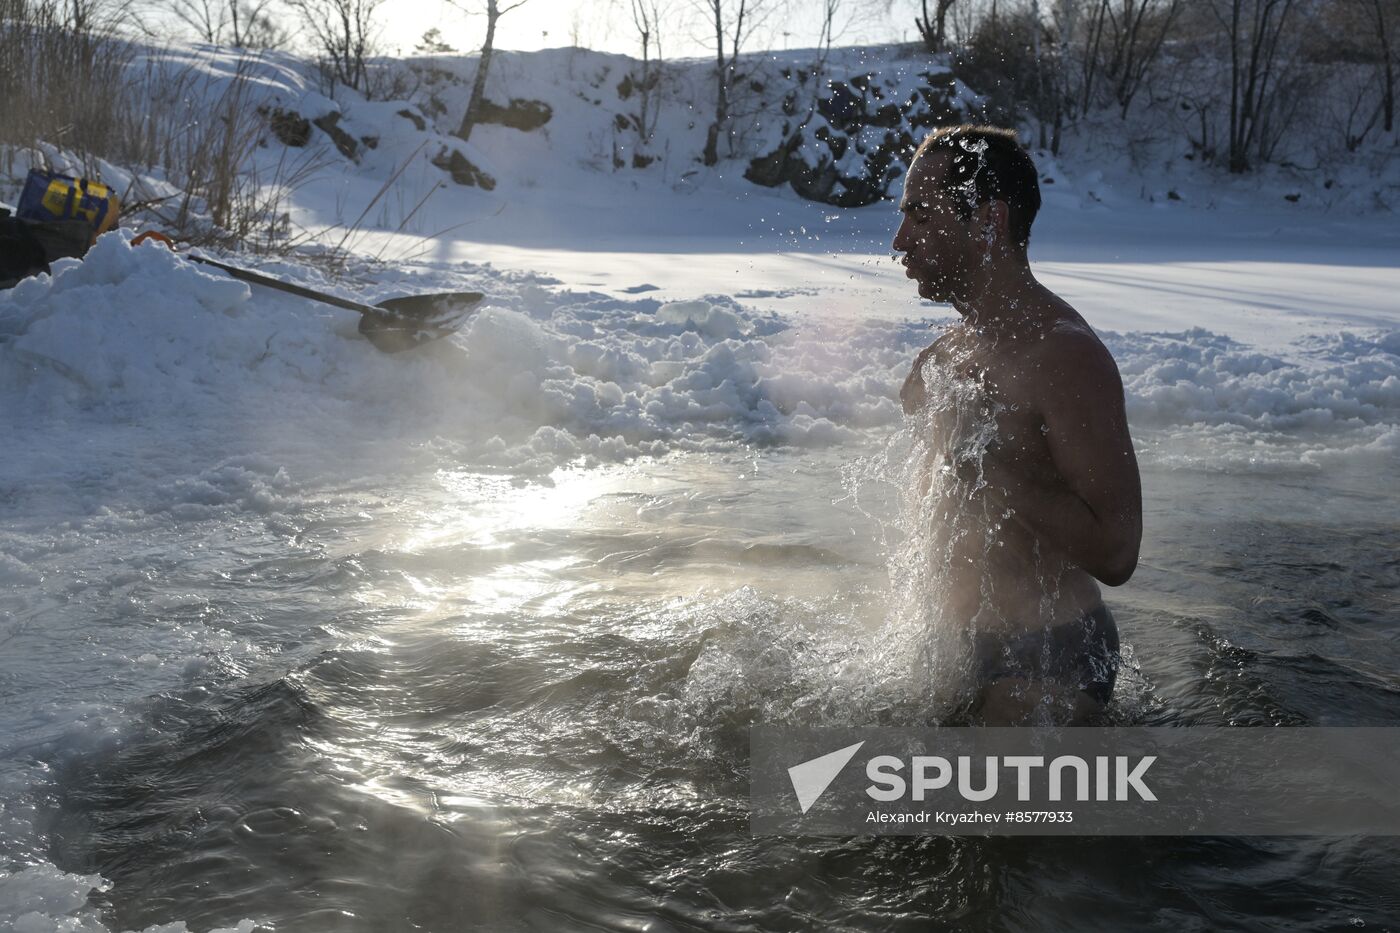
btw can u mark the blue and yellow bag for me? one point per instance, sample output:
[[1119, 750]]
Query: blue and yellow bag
[[49, 196]]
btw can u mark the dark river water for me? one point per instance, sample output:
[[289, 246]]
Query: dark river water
[[453, 701]]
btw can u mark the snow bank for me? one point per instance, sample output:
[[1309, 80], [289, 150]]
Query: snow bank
[[116, 324], [1336, 395], [537, 377], [541, 377]]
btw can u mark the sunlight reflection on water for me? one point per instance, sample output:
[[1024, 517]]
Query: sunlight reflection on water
[[529, 709]]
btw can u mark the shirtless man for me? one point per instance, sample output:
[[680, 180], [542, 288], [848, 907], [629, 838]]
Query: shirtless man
[[1062, 464]]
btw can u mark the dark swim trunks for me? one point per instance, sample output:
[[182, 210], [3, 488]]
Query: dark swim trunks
[[1084, 653]]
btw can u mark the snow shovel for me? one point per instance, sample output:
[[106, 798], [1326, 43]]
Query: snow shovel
[[392, 325]]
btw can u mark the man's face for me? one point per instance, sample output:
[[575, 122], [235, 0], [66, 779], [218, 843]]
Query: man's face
[[936, 244]]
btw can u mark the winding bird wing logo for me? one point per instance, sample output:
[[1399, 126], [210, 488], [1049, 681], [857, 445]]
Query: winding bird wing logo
[[811, 778]]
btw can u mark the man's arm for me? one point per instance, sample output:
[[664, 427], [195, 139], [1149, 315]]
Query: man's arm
[[1093, 512]]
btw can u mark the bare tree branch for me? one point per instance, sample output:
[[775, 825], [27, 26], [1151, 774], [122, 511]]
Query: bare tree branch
[[494, 11], [345, 33]]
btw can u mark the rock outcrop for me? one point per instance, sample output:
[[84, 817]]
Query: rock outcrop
[[462, 170], [857, 138]]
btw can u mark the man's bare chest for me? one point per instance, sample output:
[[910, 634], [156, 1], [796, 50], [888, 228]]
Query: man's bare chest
[[1006, 395]]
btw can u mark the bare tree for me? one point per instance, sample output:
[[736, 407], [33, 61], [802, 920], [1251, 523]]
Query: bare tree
[[1356, 38], [1382, 16], [1255, 31], [734, 22], [344, 32], [934, 31], [1041, 98], [1066, 17], [241, 23], [1353, 94], [254, 26], [1121, 42], [206, 18], [494, 11], [963, 19], [646, 19], [1138, 28], [90, 18], [837, 16], [828, 10], [1090, 60]]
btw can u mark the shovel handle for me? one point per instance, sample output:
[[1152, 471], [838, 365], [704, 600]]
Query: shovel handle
[[269, 282]]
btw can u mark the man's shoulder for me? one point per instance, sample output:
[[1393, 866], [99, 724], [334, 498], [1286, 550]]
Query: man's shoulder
[[1068, 342], [1067, 359], [943, 344]]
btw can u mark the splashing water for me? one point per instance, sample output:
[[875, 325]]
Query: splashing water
[[902, 655], [940, 543]]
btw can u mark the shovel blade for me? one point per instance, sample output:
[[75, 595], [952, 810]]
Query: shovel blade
[[414, 320]]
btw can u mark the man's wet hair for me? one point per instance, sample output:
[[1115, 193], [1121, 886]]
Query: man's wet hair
[[988, 164]]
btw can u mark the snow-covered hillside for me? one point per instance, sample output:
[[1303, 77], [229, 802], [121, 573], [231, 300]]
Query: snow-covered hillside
[[837, 129]]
